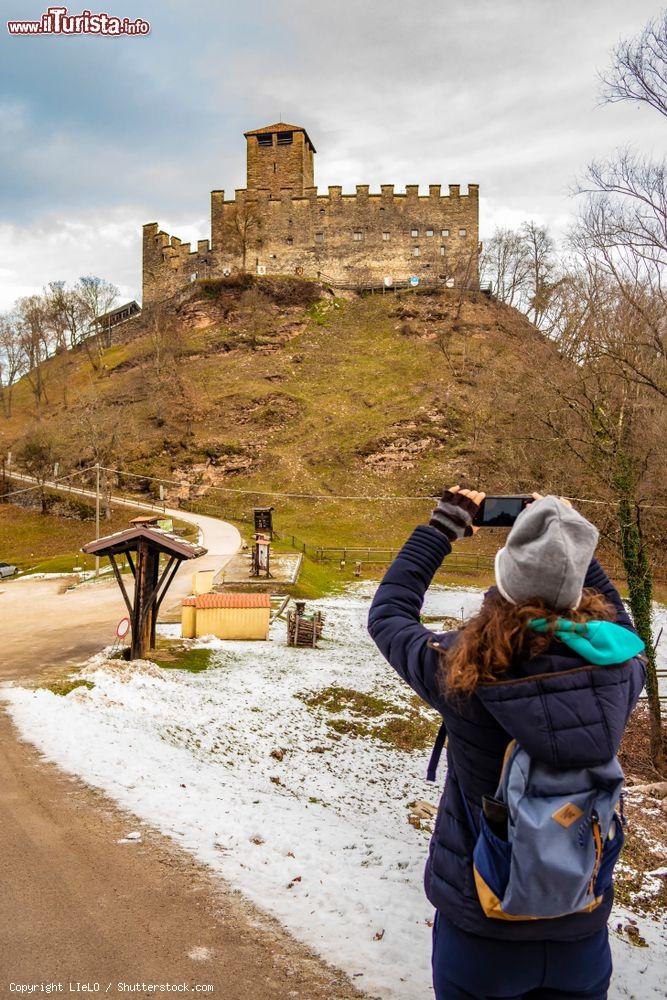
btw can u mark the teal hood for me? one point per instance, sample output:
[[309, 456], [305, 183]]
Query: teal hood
[[600, 643]]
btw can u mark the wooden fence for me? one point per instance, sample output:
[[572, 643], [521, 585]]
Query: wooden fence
[[383, 556]]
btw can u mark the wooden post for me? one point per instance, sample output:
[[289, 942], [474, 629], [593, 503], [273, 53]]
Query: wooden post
[[97, 514], [143, 587], [152, 614], [140, 569], [147, 600]]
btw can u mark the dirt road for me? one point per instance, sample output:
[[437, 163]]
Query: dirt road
[[77, 906]]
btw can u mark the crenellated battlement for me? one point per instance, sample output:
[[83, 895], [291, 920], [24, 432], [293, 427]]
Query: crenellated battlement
[[168, 262], [335, 192], [282, 223]]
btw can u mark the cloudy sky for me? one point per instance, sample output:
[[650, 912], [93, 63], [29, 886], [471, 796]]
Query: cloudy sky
[[99, 135]]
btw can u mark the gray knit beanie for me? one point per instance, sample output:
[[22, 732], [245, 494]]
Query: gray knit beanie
[[546, 555]]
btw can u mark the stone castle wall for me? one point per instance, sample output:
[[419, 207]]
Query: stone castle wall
[[351, 240]]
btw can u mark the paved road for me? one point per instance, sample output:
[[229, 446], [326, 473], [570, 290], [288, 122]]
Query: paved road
[[72, 625], [76, 905]]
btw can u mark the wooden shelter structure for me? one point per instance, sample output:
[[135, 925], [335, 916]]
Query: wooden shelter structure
[[120, 314], [150, 585]]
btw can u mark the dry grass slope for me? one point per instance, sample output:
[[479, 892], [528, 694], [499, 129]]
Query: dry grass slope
[[277, 385]]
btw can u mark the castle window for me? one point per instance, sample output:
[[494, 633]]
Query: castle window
[[415, 251], [429, 232], [444, 232], [265, 140], [414, 233], [319, 237], [284, 138], [289, 241], [322, 211], [357, 236], [462, 232], [272, 256], [385, 236], [442, 251]]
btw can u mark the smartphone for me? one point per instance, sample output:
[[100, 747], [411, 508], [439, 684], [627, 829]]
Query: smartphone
[[500, 511]]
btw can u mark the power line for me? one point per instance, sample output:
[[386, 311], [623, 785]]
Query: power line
[[348, 498], [334, 496]]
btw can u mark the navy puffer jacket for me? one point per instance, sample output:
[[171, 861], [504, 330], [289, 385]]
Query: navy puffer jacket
[[560, 710]]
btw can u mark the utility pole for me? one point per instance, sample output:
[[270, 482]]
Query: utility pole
[[97, 514]]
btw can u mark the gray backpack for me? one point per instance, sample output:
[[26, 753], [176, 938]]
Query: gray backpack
[[548, 840]]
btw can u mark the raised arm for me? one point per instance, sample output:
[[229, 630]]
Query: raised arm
[[394, 618]]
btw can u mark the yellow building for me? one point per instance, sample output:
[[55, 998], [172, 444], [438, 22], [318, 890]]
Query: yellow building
[[227, 616]]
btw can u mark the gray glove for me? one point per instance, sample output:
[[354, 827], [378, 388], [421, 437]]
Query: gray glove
[[454, 514]]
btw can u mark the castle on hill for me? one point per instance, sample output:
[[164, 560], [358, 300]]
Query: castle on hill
[[279, 224]]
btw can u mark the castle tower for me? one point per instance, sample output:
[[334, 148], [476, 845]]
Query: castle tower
[[279, 156]]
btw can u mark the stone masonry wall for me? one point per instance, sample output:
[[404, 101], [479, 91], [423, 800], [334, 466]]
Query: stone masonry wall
[[279, 224], [278, 166], [347, 239]]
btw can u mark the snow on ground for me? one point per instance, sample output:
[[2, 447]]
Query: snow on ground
[[320, 838]]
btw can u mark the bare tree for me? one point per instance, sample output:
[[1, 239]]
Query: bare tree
[[57, 309], [164, 335], [99, 436], [541, 255], [522, 267], [611, 429], [55, 314], [614, 332], [242, 229], [37, 454], [623, 221], [12, 360], [34, 338], [96, 297], [74, 312], [504, 262], [623, 228], [637, 71]]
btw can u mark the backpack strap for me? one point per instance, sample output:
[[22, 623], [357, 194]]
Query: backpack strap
[[432, 770], [436, 753]]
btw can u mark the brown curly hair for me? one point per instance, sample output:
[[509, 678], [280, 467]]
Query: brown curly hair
[[498, 635]]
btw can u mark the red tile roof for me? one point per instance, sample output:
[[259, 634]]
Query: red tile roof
[[228, 601]]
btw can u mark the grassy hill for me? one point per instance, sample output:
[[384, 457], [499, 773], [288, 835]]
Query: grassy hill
[[277, 385]]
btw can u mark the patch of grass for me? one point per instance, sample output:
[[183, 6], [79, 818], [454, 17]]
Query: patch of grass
[[316, 580], [349, 727], [64, 687], [630, 886], [409, 727], [183, 658], [412, 731], [321, 311], [340, 699]]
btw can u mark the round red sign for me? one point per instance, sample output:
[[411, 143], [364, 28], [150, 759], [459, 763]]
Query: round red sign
[[123, 628]]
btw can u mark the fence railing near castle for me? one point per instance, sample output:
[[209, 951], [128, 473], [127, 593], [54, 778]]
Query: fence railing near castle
[[404, 284]]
